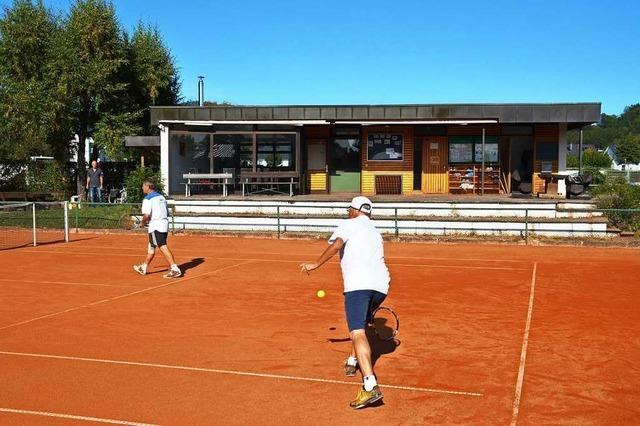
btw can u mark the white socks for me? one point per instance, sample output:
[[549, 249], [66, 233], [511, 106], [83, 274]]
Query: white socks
[[174, 267], [352, 361], [370, 382]]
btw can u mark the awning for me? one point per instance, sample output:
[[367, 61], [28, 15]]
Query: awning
[[325, 122], [141, 141]]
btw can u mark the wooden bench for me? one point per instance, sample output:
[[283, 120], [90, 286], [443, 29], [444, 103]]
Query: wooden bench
[[206, 179], [269, 181], [14, 196]]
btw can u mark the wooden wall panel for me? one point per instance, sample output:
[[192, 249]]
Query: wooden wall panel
[[368, 184], [317, 181]]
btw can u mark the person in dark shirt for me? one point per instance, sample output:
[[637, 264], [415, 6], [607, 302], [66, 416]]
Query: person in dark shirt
[[95, 179]]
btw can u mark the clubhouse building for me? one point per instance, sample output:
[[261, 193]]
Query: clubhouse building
[[368, 149]]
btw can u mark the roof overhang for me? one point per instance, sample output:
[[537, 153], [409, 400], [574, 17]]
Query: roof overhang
[[574, 114], [325, 122], [141, 141]]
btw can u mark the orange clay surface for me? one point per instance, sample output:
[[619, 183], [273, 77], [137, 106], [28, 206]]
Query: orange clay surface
[[242, 338]]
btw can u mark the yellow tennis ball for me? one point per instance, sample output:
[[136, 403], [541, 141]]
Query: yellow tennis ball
[[320, 293]]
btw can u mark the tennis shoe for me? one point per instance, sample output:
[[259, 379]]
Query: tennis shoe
[[350, 370], [364, 398], [139, 269], [173, 274]]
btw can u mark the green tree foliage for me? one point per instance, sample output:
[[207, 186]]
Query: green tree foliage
[[136, 178], [29, 109], [628, 149], [591, 159], [611, 130], [80, 74], [616, 193], [91, 58]]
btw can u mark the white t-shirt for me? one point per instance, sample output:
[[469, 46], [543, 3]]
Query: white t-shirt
[[155, 205], [362, 257]]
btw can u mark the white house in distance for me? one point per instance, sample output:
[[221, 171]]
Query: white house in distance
[[617, 163]]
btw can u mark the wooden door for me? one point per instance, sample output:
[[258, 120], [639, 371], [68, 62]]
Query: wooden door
[[317, 176], [435, 164]]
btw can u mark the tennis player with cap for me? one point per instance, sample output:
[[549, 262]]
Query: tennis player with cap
[[366, 283], [156, 214]]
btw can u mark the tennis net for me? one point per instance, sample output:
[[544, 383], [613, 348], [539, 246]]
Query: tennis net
[[30, 224]]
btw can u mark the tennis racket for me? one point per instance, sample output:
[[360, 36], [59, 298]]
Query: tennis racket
[[386, 323]]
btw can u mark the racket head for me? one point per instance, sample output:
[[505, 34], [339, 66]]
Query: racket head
[[385, 323]]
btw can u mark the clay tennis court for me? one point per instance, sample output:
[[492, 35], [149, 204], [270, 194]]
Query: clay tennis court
[[489, 335]]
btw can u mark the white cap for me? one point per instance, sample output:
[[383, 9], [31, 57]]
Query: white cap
[[362, 204]]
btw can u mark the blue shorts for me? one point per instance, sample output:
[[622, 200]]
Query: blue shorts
[[359, 306]]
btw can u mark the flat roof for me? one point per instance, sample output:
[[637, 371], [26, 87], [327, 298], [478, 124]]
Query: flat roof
[[574, 114]]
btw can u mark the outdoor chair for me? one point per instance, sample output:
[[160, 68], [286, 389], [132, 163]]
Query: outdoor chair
[[577, 184], [519, 185]]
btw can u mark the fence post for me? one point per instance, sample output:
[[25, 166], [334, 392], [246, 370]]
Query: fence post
[[33, 213], [395, 210], [77, 216], [526, 226], [173, 220], [66, 221], [278, 217]]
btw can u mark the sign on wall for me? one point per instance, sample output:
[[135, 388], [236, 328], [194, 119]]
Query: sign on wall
[[385, 147]]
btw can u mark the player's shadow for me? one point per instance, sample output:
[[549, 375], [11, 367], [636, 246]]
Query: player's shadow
[[378, 346], [184, 267]]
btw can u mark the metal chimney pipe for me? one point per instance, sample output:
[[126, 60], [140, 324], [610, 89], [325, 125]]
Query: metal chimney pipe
[[200, 90]]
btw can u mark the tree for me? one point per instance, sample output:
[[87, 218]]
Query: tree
[[90, 57], [628, 149], [29, 109]]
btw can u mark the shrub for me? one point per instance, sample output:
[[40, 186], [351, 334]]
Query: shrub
[[46, 177], [134, 182], [616, 193]]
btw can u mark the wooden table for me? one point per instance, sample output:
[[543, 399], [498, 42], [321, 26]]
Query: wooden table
[[206, 179]]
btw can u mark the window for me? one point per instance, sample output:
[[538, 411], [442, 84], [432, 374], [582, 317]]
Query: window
[[345, 154], [229, 149], [547, 151], [468, 149], [276, 151], [385, 146]]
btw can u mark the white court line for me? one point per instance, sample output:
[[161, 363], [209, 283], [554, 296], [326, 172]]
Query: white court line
[[523, 353], [72, 417], [238, 373], [65, 283], [295, 261], [457, 259], [110, 299]]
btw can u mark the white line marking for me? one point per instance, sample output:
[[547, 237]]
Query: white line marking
[[298, 261], [523, 353], [457, 259], [238, 373], [110, 299], [69, 416], [65, 283]]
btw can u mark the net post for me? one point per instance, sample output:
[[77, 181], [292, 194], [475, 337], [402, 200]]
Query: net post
[[66, 221], [33, 214]]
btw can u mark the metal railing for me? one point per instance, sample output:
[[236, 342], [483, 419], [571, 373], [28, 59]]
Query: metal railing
[[397, 220], [282, 218]]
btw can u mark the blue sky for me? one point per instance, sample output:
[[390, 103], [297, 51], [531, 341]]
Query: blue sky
[[352, 52]]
